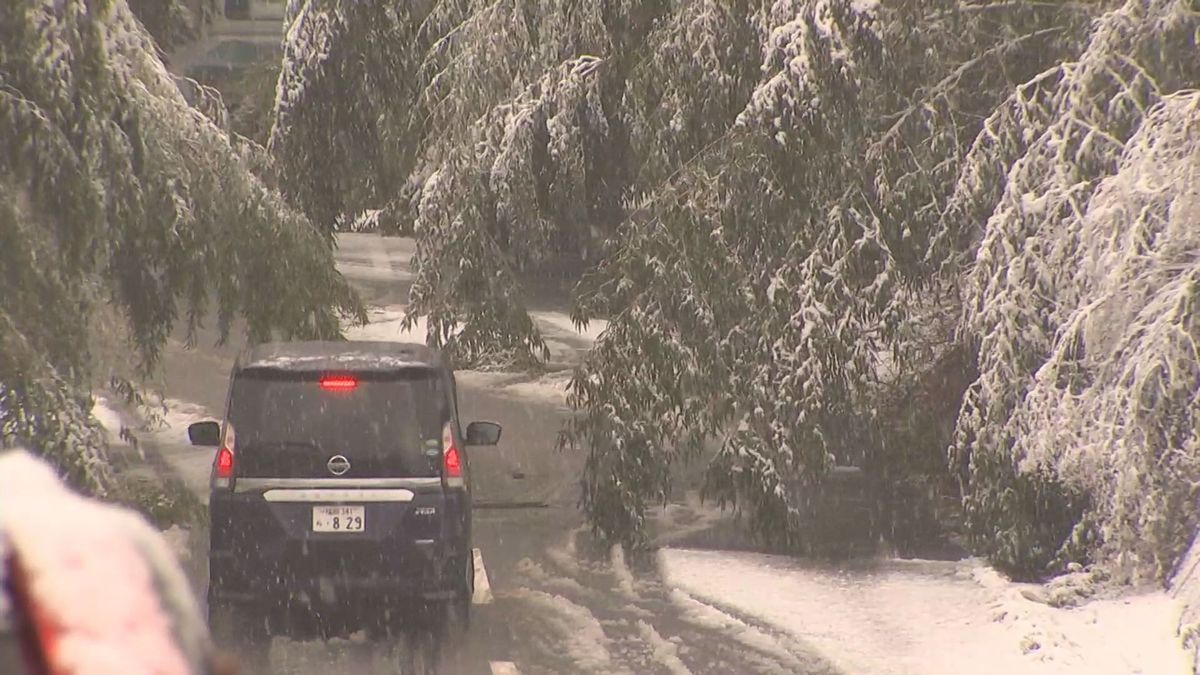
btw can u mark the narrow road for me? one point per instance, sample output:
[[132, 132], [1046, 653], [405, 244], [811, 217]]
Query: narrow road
[[557, 604]]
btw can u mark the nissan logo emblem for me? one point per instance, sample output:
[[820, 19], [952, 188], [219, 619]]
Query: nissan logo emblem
[[338, 465]]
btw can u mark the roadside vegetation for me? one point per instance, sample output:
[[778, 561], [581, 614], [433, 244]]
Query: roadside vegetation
[[120, 205], [963, 258]]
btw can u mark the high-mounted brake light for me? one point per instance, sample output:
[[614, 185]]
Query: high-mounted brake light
[[338, 383], [451, 459]]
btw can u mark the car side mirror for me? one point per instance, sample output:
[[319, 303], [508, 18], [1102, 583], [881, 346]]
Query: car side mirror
[[207, 434], [483, 433]]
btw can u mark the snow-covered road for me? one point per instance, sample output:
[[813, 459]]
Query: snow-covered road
[[557, 605], [560, 606]]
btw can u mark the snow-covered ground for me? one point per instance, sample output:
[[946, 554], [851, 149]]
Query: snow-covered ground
[[916, 617], [169, 434], [891, 617]]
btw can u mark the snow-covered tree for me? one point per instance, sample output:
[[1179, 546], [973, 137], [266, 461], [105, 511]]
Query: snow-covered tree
[[702, 63], [711, 287], [114, 193], [1080, 429], [508, 118], [819, 237], [781, 283], [349, 118]]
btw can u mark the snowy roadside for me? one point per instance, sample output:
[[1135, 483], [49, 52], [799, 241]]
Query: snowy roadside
[[1185, 588], [164, 444], [918, 617], [166, 462]]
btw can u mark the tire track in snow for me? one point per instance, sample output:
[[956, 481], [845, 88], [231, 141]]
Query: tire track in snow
[[620, 571], [777, 653], [665, 651], [583, 603], [567, 629]]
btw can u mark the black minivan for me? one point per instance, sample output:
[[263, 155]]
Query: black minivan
[[340, 492]]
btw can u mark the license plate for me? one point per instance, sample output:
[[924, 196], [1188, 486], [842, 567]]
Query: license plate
[[339, 519]]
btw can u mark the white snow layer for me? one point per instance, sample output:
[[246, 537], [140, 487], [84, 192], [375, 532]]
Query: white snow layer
[[571, 626], [900, 617], [108, 417]]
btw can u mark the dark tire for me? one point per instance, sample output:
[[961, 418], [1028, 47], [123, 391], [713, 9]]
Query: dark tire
[[452, 614], [458, 614], [420, 654], [241, 630]]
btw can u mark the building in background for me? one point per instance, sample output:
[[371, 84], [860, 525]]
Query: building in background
[[248, 32], [242, 10]]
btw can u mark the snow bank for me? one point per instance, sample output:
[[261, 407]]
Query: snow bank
[[532, 573], [665, 652], [572, 627], [898, 617], [1135, 632], [621, 573], [549, 389], [673, 523]]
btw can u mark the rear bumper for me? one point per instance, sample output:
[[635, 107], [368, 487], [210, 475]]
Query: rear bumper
[[287, 597], [425, 573], [266, 551]]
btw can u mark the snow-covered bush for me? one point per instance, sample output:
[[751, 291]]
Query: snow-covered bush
[[114, 191]]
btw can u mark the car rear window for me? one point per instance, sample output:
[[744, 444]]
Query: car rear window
[[290, 424]]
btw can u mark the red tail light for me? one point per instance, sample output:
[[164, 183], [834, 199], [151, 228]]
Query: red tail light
[[226, 458], [224, 463], [453, 463], [338, 383], [451, 459]]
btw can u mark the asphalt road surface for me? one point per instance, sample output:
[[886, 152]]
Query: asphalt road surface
[[552, 601]]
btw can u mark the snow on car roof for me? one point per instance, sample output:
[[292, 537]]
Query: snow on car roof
[[353, 356]]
